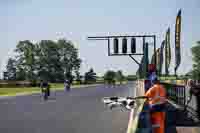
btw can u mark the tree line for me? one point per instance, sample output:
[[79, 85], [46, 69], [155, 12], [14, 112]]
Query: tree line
[[53, 61], [47, 60], [195, 72], [58, 60]]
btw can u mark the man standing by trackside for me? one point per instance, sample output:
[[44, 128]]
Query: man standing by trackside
[[156, 98]]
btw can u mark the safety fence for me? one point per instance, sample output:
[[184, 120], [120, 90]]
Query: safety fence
[[180, 94], [176, 93]]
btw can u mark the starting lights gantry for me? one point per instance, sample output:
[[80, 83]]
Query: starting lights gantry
[[133, 46]]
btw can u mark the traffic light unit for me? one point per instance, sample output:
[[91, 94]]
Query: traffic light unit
[[133, 45], [124, 45], [116, 46]]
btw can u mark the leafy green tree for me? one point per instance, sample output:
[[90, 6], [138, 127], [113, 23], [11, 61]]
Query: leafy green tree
[[48, 60], [90, 76], [49, 65], [21, 74], [131, 77], [26, 59], [120, 77], [68, 57], [5, 75], [110, 76], [78, 77], [196, 59], [10, 73], [188, 74]]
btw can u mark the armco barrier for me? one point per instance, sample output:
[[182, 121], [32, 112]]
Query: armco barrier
[[180, 94], [176, 93]]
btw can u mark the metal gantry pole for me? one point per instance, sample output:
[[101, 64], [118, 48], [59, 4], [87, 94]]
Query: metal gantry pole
[[108, 47], [154, 38]]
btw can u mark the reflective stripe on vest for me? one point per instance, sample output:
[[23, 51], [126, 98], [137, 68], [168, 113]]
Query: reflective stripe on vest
[[156, 125]]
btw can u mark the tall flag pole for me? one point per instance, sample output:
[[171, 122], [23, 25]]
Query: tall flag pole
[[158, 60], [161, 55], [167, 52], [153, 58], [177, 41], [141, 67]]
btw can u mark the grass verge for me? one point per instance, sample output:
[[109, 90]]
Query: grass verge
[[31, 90]]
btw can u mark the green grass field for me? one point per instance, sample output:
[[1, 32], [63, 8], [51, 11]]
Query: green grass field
[[14, 91], [30, 90]]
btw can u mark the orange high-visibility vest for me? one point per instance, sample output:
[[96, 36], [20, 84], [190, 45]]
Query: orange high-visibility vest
[[156, 95]]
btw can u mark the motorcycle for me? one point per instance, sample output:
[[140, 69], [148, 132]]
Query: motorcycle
[[127, 103], [46, 92], [67, 87]]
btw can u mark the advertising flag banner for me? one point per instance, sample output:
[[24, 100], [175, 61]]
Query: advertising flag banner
[[177, 41], [167, 51], [158, 60], [161, 56]]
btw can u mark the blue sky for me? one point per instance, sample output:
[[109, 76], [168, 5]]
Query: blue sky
[[76, 19]]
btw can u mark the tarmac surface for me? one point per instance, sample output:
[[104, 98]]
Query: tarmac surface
[[78, 111]]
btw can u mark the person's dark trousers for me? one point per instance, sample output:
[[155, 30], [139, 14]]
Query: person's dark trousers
[[158, 108]]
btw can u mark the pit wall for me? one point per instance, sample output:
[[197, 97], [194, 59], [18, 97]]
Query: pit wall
[[135, 121]]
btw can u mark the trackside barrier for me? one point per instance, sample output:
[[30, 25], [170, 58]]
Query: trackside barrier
[[179, 94], [133, 123], [139, 121], [176, 93]]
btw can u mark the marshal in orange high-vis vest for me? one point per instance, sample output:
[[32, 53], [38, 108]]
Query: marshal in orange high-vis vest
[[157, 99]]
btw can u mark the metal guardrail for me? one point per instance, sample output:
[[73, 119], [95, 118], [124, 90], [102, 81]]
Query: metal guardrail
[[180, 94], [192, 105], [176, 93]]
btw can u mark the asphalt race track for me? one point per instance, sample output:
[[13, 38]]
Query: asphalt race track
[[78, 111]]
